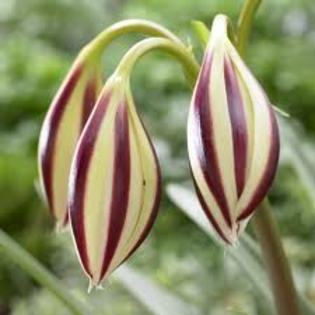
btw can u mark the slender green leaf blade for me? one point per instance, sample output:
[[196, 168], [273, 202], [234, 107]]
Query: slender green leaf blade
[[156, 299]]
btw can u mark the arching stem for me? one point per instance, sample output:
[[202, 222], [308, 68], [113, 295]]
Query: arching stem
[[118, 29], [179, 52]]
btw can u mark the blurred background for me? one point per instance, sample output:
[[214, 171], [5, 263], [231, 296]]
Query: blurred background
[[40, 38]]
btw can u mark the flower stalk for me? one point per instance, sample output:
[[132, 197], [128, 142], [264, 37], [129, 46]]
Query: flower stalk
[[179, 51], [277, 264], [144, 27], [245, 24], [275, 259]]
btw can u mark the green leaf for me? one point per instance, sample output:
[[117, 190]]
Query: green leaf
[[186, 200], [156, 299], [247, 253]]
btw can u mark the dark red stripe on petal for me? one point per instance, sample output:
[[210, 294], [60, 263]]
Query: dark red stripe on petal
[[238, 124], [78, 177], [66, 219], [204, 140], [121, 183], [208, 213], [50, 131], [89, 99], [270, 170]]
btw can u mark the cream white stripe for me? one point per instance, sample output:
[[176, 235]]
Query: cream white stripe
[[142, 197], [66, 139], [249, 118], [222, 129], [99, 191], [262, 131], [200, 180]]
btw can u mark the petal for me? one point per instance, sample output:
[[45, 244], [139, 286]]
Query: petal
[[61, 129], [265, 141], [207, 160], [114, 184], [233, 140], [145, 188], [211, 137]]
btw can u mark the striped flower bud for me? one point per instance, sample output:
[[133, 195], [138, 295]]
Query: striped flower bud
[[114, 188], [233, 139], [62, 126]]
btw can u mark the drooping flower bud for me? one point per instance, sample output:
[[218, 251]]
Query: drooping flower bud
[[62, 126], [233, 139], [114, 188]]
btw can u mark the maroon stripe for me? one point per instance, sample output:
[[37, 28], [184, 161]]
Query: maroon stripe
[[121, 184], [203, 139], [50, 131], [89, 100], [78, 177], [156, 202], [238, 124], [66, 219], [208, 213], [270, 171]]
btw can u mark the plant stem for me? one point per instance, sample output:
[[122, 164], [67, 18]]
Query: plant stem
[[180, 52], [30, 265], [107, 36], [275, 259], [278, 267], [245, 22]]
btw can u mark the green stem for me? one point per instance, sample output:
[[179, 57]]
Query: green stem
[[277, 264], [145, 27], [280, 274], [30, 265], [245, 22], [181, 53]]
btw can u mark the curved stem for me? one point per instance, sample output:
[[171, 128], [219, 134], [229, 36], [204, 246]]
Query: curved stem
[[182, 54], [37, 271], [128, 26], [278, 267], [275, 259], [245, 22]]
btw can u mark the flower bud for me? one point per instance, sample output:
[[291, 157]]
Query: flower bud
[[62, 126], [233, 139], [114, 188]]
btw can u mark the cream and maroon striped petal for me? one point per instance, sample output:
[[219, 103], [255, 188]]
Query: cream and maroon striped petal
[[265, 146], [114, 183], [232, 135], [60, 131], [208, 156]]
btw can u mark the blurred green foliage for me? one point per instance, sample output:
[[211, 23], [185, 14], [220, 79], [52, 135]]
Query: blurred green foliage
[[39, 39]]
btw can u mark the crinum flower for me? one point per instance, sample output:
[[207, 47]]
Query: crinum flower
[[233, 139], [114, 190]]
